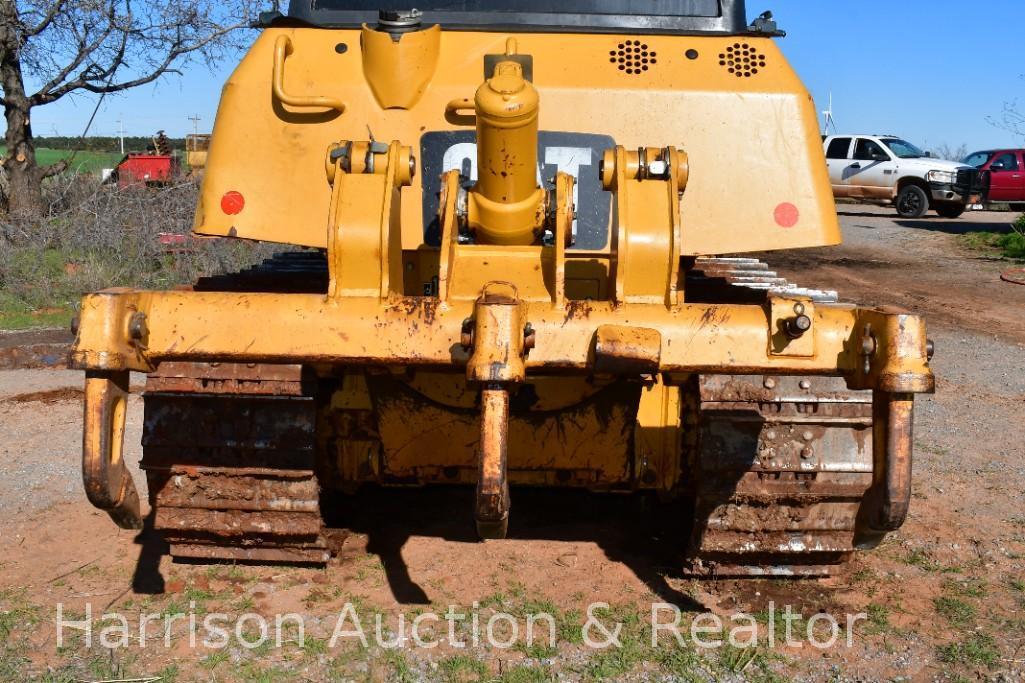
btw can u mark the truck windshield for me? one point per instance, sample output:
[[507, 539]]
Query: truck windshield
[[903, 149], [978, 159]]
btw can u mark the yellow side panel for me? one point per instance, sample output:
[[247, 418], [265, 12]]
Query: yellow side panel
[[758, 180]]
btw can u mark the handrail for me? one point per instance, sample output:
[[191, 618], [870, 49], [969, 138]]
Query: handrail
[[283, 48], [453, 108]]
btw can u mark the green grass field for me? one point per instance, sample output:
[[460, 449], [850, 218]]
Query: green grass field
[[1010, 245], [84, 162], [13, 320]]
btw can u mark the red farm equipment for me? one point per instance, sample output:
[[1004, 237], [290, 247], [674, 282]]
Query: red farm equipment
[[157, 166]]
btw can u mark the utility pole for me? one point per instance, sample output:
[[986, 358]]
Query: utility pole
[[195, 123], [121, 133]]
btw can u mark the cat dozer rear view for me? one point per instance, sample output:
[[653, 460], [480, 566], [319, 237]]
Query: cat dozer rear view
[[514, 219]]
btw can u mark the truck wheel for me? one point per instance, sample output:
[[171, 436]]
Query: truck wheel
[[912, 202], [952, 210]]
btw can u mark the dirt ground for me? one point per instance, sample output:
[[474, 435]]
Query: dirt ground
[[943, 599]]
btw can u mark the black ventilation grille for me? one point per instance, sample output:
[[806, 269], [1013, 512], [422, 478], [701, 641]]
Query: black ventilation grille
[[742, 60], [633, 57]]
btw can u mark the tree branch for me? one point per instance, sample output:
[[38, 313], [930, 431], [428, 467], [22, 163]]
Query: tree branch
[[105, 46], [95, 84], [84, 51], [47, 19], [56, 169]]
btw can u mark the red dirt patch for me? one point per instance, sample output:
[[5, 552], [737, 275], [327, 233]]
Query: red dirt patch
[[49, 397]]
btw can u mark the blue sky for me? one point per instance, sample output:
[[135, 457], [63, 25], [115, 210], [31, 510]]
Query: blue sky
[[933, 71]]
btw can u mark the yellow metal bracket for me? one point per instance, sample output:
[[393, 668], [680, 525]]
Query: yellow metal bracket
[[539, 271], [792, 327], [646, 230], [893, 352], [498, 337], [121, 340], [565, 212], [360, 226], [449, 220]]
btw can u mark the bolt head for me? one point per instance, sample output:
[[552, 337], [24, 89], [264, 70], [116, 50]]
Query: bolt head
[[807, 452], [805, 384], [137, 328], [466, 337], [807, 436], [658, 168], [769, 383], [529, 337]]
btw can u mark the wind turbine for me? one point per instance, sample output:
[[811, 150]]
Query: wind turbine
[[827, 117]]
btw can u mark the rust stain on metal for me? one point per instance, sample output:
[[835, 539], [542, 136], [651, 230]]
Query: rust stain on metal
[[492, 509], [887, 503], [423, 307], [578, 310]]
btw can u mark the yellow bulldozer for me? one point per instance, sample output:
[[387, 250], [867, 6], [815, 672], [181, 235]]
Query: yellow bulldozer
[[523, 227]]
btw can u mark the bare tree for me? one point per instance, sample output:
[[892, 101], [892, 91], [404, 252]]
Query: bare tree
[[1011, 119], [946, 151], [64, 47]]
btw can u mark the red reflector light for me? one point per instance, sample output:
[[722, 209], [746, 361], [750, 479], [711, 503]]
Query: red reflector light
[[232, 203], [787, 215]]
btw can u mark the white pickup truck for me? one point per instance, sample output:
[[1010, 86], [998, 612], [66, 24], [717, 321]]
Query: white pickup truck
[[884, 168]]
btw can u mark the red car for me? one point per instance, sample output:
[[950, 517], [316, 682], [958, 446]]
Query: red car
[[1006, 168]]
